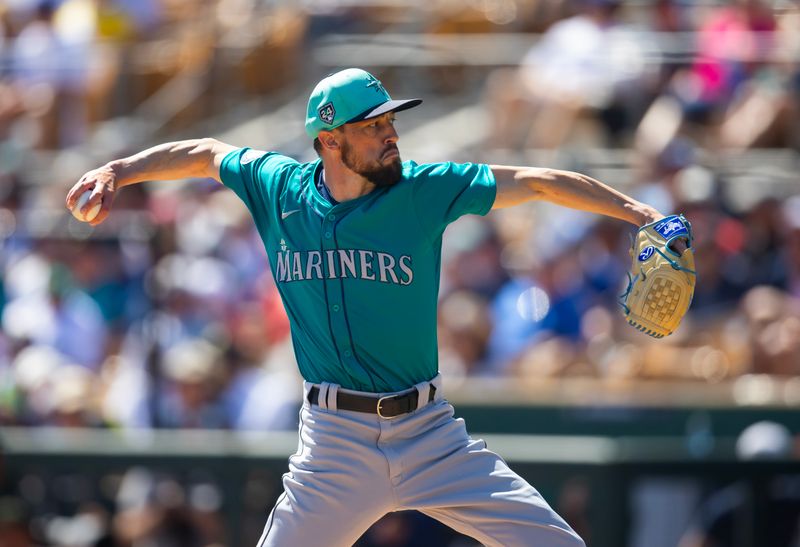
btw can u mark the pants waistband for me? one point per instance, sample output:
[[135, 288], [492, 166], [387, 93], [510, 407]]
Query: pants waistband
[[386, 405]]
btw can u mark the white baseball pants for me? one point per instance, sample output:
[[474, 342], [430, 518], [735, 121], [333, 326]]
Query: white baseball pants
[[351, 468]]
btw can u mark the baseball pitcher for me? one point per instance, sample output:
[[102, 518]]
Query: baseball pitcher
[[354, 243]]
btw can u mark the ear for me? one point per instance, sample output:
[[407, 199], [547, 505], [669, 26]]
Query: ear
[[329, 140]]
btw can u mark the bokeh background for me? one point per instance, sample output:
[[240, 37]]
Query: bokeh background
[[148, 389]]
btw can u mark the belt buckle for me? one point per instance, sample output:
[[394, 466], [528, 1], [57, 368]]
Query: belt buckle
[[378, 409]]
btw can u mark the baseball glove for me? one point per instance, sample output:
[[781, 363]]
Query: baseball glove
[[661, 281]]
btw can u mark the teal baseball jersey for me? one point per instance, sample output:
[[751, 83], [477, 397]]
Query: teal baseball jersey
[[359, 279]]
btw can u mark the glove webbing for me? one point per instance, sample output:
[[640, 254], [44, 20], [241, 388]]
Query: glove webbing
[[673, 263]]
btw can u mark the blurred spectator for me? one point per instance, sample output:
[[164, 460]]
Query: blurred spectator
[[464, 330], [49, 64], [127, 389], [588, 69], [73, 403], [472, 258], [192, 400], [46, 307], [773, 320], [264, 387], [761, 512], [52, 391], [737, 92], [155, 509]]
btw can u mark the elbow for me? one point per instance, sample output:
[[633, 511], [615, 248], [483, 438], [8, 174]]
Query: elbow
[[206, 150], [208, 142], [540, 183], [206, 147]]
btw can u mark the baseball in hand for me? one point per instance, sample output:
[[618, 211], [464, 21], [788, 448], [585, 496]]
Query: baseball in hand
[[91, 213]]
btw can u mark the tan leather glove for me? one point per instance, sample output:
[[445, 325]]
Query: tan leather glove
[[661, 282]]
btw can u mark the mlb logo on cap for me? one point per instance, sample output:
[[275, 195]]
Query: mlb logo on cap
[[347, 96]]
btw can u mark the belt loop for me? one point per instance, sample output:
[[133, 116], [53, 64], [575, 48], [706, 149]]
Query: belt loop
[[424, 391], [333, 394], [324, 387], [306, 390], [437, 383]]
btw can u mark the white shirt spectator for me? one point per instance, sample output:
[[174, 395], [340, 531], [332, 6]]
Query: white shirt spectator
[[584, 60]]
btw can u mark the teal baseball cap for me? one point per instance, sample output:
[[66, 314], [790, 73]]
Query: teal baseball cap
[[350, 95]]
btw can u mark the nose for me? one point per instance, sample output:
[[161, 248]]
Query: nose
[[391, 135]]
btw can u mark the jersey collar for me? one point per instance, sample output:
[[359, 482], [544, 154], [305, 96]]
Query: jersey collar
[[322, 205]]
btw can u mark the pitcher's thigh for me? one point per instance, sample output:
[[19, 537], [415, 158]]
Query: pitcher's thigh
[[336, 487], [485, 499], [304, 515]]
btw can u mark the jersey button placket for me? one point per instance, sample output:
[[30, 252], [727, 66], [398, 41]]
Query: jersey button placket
[[338, 320]]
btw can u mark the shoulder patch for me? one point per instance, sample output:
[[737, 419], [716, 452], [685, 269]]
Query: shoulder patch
[[251, 156]]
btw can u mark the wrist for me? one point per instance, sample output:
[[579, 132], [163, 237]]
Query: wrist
[[115, 169], [644, 214]]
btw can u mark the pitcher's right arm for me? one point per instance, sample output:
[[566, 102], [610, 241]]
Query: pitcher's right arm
[[195, 158]]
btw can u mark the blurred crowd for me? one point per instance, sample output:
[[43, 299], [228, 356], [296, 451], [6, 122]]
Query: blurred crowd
[[68, 66], [164, 507], [166, 316]]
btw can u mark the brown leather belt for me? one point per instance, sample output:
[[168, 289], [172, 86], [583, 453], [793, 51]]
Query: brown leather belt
[[390, 406]]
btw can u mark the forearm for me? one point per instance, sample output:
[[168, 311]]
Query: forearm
[[168, 161], [582, 192], [199, 158]]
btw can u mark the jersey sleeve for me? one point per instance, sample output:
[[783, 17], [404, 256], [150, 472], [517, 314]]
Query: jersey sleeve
[[443, 192], [255, 176]]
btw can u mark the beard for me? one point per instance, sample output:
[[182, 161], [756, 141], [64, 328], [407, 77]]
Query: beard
[[378, 174]]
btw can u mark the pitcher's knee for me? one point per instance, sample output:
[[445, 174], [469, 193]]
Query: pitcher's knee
[[573, 540], [578, 542], [550, 536]]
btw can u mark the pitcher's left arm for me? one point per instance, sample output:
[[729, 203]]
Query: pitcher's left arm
[[517, 185]]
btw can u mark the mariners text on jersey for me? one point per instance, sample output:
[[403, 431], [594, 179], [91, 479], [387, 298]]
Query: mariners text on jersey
[[343, 263]]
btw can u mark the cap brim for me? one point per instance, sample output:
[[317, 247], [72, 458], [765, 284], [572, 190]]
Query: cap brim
[[388, 106]]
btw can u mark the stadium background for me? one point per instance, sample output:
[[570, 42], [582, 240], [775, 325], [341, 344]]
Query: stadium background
[[148, 393]]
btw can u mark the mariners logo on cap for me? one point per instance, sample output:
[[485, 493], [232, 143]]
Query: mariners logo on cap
[[373, 81], [327, 113], [646, 253]]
